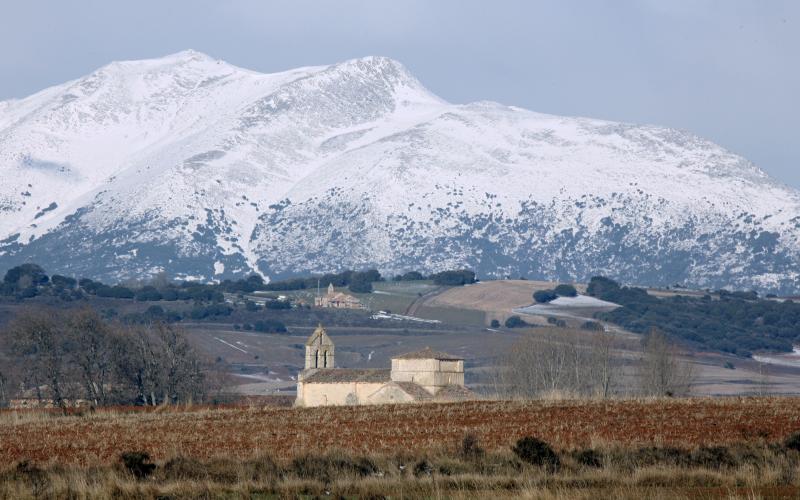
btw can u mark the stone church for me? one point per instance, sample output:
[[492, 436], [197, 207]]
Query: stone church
[[337, 300], [419, 376]]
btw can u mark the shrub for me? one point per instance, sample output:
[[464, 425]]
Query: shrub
[[470, 448], [137, 463], [588, 457], [423, 468], [269, 326], [495, 324], [155, 312], [278, 304], [557, 322], [592, 326], [515, 322], [792, 442], [600, 287], [360, 283], [148, 293], [544, 296], [200, 312], [29, 274], [454, 278], [334, 465], [183, 469], [115, 292], [536, 452], [713, 457], [566, 291], [63, 281], [412, 276]]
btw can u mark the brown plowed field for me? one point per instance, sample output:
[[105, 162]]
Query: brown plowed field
[[283, 432]]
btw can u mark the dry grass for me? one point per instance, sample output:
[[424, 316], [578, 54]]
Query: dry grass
[[650, 448], [495, 475], [498, 297]]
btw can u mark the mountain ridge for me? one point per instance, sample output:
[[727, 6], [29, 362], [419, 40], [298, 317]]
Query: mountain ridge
[[212, 171]]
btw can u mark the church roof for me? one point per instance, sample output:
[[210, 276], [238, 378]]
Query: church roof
[[336, 375], [428, 353], [455, 393], [415, 391], [342, 297], [319, 332]]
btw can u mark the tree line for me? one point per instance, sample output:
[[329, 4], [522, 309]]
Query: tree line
[[567, 363], [361, 281], [734, 322], [68, 356], [31, 280]]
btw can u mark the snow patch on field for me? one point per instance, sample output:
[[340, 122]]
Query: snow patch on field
[[582, 301], [789, 359], [580, 307]]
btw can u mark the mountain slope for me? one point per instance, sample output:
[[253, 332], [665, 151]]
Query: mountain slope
[[192, 166]]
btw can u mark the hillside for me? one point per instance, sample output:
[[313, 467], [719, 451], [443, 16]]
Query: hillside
[[197, 168]]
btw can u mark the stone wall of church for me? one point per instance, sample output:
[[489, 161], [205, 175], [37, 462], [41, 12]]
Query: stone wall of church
[[431, 374], [330, 394]]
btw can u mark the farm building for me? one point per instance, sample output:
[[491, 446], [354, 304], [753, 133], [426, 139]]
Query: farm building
[[419, 376], [337, 300]]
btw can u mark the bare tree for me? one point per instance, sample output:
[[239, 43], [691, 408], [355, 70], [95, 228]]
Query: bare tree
[[183, 373], [3, 390], [603, 366], [158, 365], [138, 366], [64, 357], [558, 362], [661, 371], [41, 340], [763, 379], [94, 341]]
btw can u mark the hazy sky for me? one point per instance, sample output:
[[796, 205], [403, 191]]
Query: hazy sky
[[728, 70]]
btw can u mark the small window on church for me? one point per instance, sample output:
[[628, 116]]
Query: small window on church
[[316, 359], [325, 360]]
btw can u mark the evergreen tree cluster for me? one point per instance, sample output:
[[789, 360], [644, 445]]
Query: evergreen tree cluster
[[734, 322]]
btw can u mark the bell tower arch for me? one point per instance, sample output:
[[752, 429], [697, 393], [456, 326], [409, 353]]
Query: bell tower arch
[[320, 350]]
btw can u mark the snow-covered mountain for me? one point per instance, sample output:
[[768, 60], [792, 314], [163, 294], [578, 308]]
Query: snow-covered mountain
[[189, 165]]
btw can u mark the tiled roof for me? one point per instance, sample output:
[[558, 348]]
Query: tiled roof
[[342, 297], [415, 391], [455, 393], [428, 353], [336, 375]]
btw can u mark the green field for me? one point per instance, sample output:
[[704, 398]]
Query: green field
[[394, 296], [453, 315]]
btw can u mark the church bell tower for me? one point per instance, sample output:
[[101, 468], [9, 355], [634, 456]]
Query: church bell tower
[[319, 350]]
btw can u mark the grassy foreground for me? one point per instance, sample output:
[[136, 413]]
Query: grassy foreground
[[692, 448]]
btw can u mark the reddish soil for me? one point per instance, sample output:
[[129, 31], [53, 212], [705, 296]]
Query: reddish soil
[[282, 432]]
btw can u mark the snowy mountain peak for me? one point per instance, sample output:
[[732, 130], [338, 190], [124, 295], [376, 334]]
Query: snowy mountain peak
[[190, 165]]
